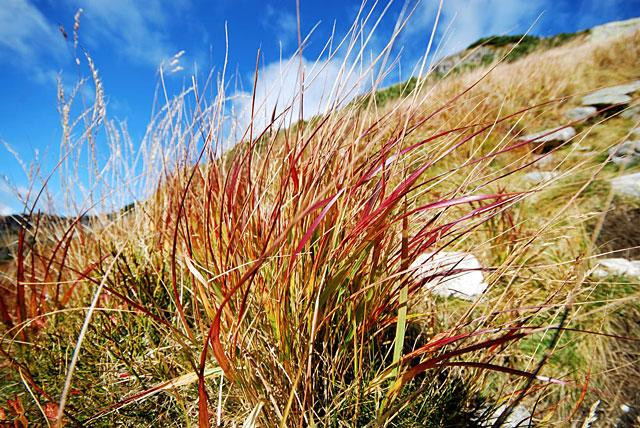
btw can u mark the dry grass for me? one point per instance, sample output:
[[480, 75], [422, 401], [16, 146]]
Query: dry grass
[[269, 283]]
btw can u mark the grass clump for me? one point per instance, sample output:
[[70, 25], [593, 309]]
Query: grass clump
[[271, 284]]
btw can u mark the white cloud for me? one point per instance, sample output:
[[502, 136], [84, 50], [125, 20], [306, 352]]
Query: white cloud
[[9, 200], [28, 39], [465, 21], [136, 29], [6, 209], [283, 23], [327, 84]]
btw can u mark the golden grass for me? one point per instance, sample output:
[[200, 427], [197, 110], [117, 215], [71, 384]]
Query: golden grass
[[283, 264]]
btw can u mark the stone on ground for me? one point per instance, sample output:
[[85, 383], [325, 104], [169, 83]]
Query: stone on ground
[[605, 99], [543, 161], [627, 185], [520, 417], [560, 135], [617, 266], [625, 153], [540, 176], [548, 139], [580, 113], [612, 95], [450, 274], [632, 112]]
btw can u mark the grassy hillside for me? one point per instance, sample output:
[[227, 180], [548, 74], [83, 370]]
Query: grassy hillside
[[272, 285]]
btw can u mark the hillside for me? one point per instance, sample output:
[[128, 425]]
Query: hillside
[[459, 250]]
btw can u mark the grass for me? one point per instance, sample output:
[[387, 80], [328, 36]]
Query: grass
[[269, 284]]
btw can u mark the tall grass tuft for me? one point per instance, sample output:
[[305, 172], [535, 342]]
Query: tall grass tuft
[[269, 282]]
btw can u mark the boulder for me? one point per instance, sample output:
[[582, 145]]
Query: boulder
[[580, 113], [635, 132], [617, 266], [626, 153], [627, 185], [612, 95], [540, 176], [450, 274]]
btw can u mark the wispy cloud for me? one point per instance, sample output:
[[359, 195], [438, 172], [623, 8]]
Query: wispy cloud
[[29, 41], [464, 21], [278, 89], [137, 30], [10, 197], [5, 209], [282, 22]]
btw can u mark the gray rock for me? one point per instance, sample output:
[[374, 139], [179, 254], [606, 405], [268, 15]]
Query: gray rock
[[635, 132], [520, 417], [614, 29], [612, 95], [540, 176], [625, 153], [467, 282], [580, 113], [543, 161], [462, 59], [627, 185], [631, 112], [617, 266], [605, 99], [560, 135]]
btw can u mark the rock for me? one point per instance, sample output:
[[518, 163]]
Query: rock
[[463, 59], [452, 274], [520, 417], [627, 185], [626, 153], [561, 135], [543, 161], [614, 29], [631, 112], [612, 95], [617, 266], [544, 143], [540, 176], [605, 99], [580, 113]]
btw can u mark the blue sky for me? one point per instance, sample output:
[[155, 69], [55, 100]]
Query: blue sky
[[128, 39]]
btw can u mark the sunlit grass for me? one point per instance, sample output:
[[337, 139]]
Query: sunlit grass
[[270, 283]]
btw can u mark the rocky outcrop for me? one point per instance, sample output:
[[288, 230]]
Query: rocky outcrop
[[464, 59]]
